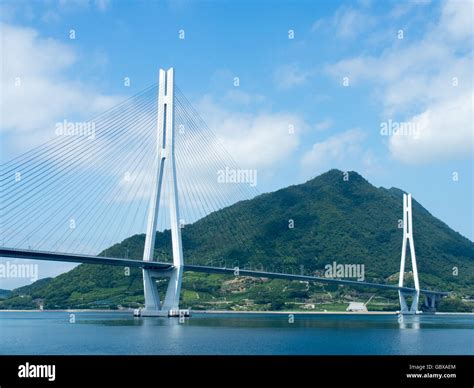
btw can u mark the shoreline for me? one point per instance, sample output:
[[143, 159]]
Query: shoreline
[[293, 312], [229, 312]]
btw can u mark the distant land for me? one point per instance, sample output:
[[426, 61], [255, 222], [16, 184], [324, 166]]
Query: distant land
[[334, 220]]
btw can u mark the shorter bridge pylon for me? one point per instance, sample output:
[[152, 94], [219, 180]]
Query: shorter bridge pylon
[[408, 236]]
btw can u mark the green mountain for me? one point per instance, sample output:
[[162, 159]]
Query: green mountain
[[4, 293], [300, 228]]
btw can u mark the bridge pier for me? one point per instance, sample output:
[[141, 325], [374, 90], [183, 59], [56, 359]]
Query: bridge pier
[[404, 309], [430, 302], [170, 305]]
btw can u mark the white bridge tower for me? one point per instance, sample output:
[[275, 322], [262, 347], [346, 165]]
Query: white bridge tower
[[408, 236], [164, 159]]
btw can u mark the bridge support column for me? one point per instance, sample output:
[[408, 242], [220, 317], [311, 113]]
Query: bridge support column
[[164, 159], [169, 307], [430, 302], [404, 309], [408, 236], [171, 302], [152, 297]]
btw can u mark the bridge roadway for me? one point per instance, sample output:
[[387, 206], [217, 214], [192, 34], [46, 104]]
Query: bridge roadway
[[14, 253]]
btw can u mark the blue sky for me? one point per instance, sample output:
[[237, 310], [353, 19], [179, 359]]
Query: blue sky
[[405, 62]]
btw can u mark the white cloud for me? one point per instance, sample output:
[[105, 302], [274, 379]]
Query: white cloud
[[49, 11], [318, 24], [78, 3], [402, 8], [102, 5], [347, 22], [253, 139], [457, 19], [365, 3], [445, 130], [236, 96], [45, 95], [338, 151], [417, 79], [73, 5], [323, 125], [50, 16], [288, 76], [350, 22]]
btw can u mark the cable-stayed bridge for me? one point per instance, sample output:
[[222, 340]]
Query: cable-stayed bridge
[[147, 164]]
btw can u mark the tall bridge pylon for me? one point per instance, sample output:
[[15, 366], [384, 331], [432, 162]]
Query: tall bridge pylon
[[165, 159]]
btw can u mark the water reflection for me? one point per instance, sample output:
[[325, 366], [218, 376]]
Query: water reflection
[[409, 321]]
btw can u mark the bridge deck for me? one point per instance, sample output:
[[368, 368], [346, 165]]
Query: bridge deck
[[161, 266]]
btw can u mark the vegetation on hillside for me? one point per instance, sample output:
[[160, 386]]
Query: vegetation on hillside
[[297, 229]]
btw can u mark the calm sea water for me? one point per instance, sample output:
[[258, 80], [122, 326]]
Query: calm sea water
[[247, 334]]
